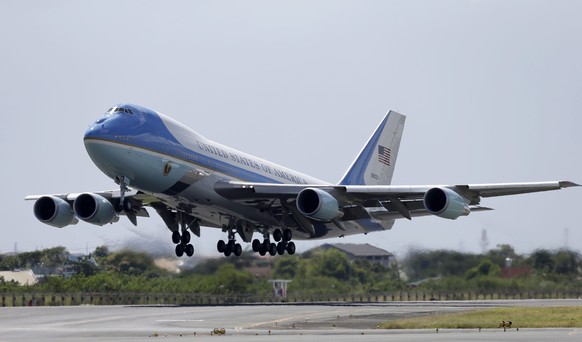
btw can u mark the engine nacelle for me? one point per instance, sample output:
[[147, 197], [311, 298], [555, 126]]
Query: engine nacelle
[[54, 211], [445, 203], [94, 209], [318, 204]]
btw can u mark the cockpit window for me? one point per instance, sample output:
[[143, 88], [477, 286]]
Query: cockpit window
[[119, 110]]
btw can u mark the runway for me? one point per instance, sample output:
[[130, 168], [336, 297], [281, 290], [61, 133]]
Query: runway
[[331, 322]]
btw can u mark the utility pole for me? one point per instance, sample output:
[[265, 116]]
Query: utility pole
[[566, 237], [484, 241]]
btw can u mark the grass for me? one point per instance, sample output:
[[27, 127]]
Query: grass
[[522, 317]]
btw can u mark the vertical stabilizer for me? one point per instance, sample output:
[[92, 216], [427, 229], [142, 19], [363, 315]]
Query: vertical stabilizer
[[375, 163]]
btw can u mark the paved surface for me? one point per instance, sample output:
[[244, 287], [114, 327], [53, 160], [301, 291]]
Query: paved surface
[[246, 323]]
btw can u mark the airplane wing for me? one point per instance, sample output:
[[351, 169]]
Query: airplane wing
[[448, 201], [135, 197], [304, 203], [57, 209]]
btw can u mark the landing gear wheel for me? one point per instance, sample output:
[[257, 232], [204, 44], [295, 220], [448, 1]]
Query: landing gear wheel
[[291, 248], [229, 248], [189, 250], [237, 249], [262, 251], [185, 237], [221, 246], [176, 237], [277, 235], [256, 245], [179, 250], [272, 249], [281, 248], [287, 235]]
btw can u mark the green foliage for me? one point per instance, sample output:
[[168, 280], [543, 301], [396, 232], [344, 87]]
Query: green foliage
[[420, 265], [499, 256], [132, 263], [566, 262], [101, 252], [552, 271], [522, 317], [320, 271], [48, 258], [286, 266], [485, 269], [329, 271], [542, 261]]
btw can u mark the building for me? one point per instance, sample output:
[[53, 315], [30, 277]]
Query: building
[[25, 277], [512, 272], [374, 255]]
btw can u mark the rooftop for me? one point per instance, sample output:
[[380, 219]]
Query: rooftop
[[361, 250], [25, 277]]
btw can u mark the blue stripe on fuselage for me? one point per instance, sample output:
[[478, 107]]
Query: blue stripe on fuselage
[[145, 129]]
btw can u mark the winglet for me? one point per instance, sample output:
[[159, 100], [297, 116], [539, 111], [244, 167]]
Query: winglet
[[375, 163]]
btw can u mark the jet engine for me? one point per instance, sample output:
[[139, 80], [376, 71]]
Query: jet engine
[[318, 204], [445, 203], [54, 211], [94, 209]]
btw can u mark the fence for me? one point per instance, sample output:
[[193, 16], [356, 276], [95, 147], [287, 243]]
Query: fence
[[60, 299]]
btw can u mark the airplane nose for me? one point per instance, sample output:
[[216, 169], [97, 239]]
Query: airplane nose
[[93, 131], [99, 128]]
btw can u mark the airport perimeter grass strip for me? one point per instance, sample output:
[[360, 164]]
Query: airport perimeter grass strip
[[521, 317]]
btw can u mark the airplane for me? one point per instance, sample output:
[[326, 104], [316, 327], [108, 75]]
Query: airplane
[[191, 181]]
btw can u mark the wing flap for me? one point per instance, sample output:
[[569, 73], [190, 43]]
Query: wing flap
[[246, 191]]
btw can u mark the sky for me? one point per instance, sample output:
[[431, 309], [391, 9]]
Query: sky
[[491, 90]]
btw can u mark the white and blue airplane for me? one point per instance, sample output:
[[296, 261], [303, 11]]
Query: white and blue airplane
[[191, 181]]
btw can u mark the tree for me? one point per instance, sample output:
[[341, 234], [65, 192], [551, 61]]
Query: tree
[[500, 254], [286, 266], [566, 262], [54, 257], [429, 264], [101, 252], [132, 263], [86, 268], [335, 264], [484, 269], [542, 261]]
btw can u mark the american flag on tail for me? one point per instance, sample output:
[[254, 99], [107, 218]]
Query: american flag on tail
[[384, 155]]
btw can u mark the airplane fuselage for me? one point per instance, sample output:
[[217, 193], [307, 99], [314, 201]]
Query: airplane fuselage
[[160, 156]]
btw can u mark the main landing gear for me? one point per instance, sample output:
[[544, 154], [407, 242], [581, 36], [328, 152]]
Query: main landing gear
[[182, 242], [230, 247], [283, 239]]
